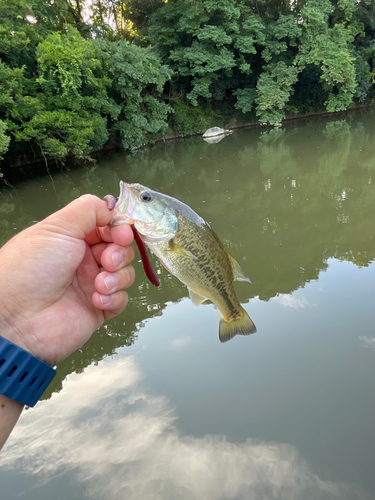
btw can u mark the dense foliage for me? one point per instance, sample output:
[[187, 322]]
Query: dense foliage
[[74, 74]]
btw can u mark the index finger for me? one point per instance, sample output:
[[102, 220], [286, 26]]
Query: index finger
[[122, 235]]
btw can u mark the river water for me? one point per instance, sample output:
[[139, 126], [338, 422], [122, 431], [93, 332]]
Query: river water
[[154, 406]]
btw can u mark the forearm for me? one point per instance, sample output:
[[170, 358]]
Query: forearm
[[9, 414]]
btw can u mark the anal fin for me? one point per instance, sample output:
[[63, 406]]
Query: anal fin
[[196, 298]]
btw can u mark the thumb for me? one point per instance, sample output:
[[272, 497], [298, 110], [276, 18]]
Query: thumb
[[80, 217]]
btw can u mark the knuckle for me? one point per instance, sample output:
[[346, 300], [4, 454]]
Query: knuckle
[[89, 198], [129, 254], [127, 275], [131, 274]]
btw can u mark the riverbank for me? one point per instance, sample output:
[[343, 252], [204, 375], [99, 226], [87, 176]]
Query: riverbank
[[27, 164]]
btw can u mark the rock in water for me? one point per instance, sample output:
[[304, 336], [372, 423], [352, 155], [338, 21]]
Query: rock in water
[[215, 131]]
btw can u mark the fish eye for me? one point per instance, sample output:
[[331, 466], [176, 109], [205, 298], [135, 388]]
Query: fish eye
[[145, 196]]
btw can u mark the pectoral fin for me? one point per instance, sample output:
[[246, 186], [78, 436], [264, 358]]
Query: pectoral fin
[[173, 247], [196, 298], [238, 273]]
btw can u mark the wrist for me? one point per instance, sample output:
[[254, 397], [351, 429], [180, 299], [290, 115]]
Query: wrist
[[15, 328], [23, 377], [12, 334]]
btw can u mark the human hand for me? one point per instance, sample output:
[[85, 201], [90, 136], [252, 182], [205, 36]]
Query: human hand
[[63, 277]]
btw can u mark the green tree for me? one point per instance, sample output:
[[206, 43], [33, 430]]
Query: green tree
[[209, 45], [326, 42], [4, 139], [73, 103], [17, 101], [274, 88], [225, 48], [18, 36], [138, 80], [275, 84]]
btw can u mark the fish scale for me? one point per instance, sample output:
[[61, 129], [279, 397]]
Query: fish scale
[[209, 272]]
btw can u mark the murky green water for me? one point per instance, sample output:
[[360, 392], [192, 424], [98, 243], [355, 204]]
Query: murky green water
[[154, 407]]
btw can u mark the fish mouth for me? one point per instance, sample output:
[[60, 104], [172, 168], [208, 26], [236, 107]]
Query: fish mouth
[[124, 208], [125, 212]]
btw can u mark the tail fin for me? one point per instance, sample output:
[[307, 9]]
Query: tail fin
[[241, 325]]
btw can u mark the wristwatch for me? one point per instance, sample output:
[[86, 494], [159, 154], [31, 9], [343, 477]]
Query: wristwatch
[[23, 377]]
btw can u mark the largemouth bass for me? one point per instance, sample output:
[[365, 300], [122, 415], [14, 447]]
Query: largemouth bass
[[189, 249]]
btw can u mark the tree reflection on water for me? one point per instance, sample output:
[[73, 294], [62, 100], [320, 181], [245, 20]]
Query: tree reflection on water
[[283, 201]]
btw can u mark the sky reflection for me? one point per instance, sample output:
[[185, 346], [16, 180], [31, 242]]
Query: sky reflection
[[367, 341], [171, 416], [295, 301], [118, 440]]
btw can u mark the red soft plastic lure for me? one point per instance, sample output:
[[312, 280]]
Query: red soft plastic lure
[[150, 273]]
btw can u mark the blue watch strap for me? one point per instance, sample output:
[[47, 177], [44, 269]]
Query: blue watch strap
[[23, 377]]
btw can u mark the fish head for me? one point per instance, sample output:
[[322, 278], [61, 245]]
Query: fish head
[[152, 213]]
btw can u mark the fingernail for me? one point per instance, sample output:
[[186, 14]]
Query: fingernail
[[117, 259], [105, 299], [110, 282]]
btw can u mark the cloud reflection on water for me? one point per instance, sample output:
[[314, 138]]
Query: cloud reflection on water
[[291, 300], [119, 441], [180, 342], [367, 341]]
